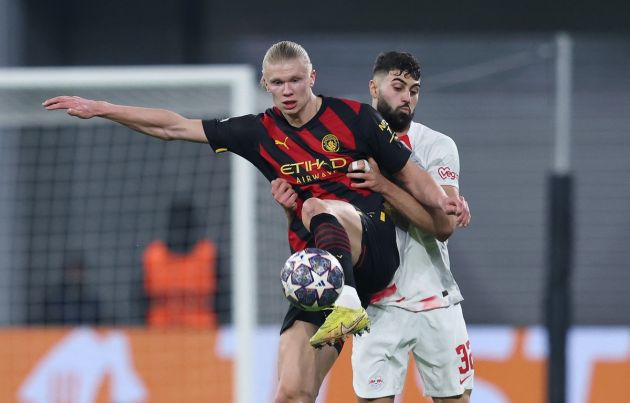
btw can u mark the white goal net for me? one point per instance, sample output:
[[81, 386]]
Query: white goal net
[[92, 197]]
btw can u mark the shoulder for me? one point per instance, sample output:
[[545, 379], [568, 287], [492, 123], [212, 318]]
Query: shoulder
[[337, 103], [423, 136]]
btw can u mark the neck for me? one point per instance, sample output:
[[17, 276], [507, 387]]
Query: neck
[[403, 131], [307, 113]]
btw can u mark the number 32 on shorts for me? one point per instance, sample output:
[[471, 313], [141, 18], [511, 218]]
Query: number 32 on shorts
[[463, 351]]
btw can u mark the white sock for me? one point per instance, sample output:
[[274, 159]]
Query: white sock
[[348, 298]]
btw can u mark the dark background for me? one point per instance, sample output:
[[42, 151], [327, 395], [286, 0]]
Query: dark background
[[109, 190], [78, 32]]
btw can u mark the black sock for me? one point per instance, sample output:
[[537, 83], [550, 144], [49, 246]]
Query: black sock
[[331, 236]]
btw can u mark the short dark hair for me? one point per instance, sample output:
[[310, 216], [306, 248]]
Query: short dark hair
[[402, 61]]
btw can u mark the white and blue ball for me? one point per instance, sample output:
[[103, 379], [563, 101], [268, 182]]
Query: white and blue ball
[[312, 279]]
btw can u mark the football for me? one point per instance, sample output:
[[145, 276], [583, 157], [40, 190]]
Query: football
[[312, 279]]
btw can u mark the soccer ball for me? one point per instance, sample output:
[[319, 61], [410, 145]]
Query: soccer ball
[[312, 279]]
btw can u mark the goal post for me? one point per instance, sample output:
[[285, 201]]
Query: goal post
[[194, 91]]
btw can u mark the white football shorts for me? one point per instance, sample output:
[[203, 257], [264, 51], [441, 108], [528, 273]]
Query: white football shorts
[[437, 339]]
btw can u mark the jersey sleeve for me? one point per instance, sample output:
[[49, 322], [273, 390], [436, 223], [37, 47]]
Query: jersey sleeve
[[389, 152], [237, 135], [443, 162]]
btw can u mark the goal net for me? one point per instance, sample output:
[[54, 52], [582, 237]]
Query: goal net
[[89, 209]]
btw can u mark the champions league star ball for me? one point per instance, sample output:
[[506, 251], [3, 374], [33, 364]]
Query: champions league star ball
[[312, 279]]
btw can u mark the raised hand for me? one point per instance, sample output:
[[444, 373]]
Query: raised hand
[[75, 106]]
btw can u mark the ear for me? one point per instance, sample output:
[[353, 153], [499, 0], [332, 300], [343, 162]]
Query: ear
[[373, 89], [313, 77], [263, 83]]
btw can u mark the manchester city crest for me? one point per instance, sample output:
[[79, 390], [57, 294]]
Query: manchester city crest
[[330, 143]]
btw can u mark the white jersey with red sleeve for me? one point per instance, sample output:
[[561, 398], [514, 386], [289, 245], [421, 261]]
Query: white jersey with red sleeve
[[424, 280]]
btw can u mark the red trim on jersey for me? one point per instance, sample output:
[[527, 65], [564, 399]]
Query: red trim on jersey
[[318, 191], [383, 293], [263, 153], [354, 105], [336, 176], [405, 139], [333, 122], [296, 242], [431, 302], [272, 128], [294, 151]]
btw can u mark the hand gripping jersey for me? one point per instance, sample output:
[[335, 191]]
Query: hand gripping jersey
[[314, 158], [424, 279]]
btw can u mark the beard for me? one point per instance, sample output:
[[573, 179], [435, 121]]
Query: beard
[[398, 121]]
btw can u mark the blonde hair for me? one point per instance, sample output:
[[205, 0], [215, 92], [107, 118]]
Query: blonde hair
[[282, 51]]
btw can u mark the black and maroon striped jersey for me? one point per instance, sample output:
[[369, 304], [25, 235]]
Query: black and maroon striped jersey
[[314, 158]]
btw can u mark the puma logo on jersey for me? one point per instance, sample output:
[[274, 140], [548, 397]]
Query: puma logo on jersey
[[282, 143]]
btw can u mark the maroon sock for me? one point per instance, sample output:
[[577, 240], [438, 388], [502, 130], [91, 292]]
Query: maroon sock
[[331, 236]]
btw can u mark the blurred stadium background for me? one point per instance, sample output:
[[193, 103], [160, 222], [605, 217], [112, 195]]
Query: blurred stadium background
[[93, 195]]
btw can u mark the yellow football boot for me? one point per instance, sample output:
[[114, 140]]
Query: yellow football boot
[[340, 323]]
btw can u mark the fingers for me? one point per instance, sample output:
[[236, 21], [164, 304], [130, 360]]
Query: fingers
[[364, 174], [279, 186], [359, 180], [466, 216], [276, 183], [359, 165], [75, 106], [373, 165], [459, 207], [362, 180], [59, 102], [51, 101], [283, 193], [450, 207], [291, 201]]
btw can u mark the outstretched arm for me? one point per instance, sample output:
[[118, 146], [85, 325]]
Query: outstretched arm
[[159, 123], [431, 220]]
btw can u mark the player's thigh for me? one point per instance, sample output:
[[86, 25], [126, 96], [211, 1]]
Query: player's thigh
[[349, 218], [380, 357], [300, 366], [442, 352]]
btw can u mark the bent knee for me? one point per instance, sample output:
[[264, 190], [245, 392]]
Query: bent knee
[[311, 208], [314, 206]]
